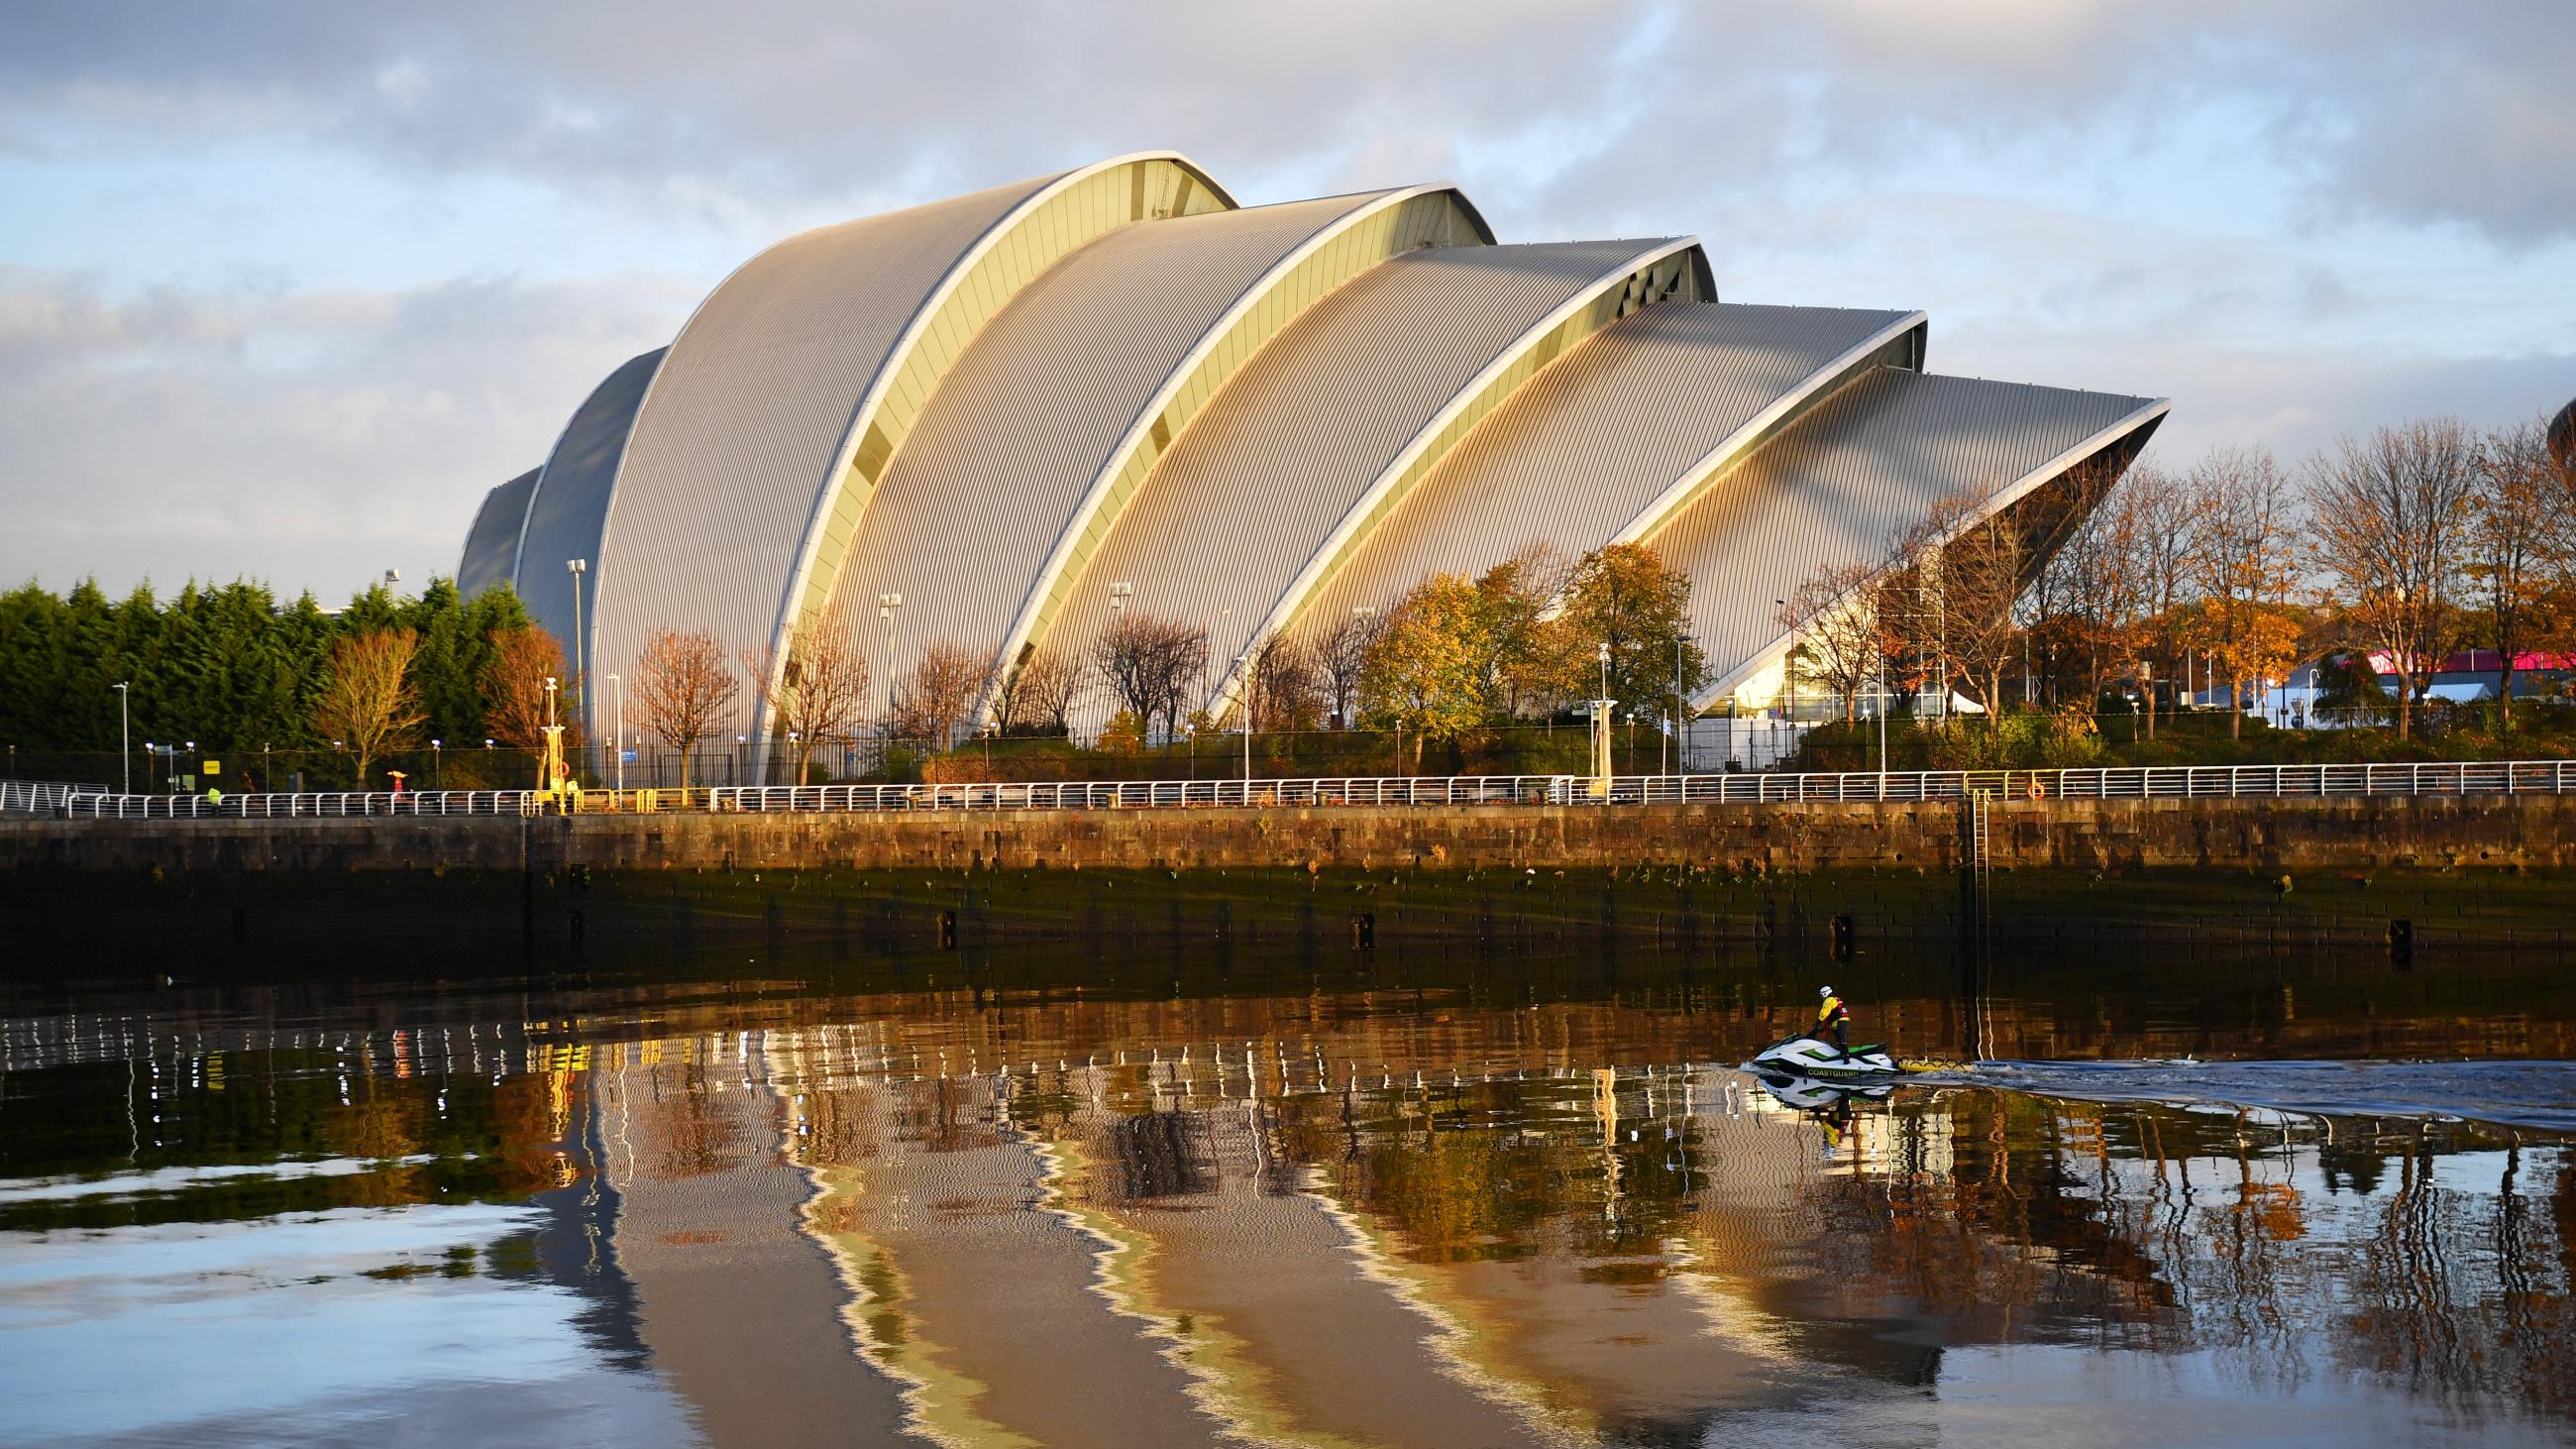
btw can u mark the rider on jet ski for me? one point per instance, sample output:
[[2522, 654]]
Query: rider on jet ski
[[1832, 1016]]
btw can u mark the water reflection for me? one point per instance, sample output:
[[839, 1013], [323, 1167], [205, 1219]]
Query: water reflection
[[1467, 1211]]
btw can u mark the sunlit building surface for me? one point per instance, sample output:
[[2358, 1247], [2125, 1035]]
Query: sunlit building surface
[[997, 406]]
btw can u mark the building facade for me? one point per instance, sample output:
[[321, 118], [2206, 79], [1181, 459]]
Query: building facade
[[1253, 418]]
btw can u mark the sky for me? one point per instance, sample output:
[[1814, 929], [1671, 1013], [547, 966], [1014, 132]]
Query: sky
[[285, 288]]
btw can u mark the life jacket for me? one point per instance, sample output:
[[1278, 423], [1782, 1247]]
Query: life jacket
[[1830, 1011]]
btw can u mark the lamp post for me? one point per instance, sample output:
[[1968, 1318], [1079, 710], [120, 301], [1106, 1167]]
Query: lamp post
[[1361, 614], [617, 689], [1681, 765], [578, 568], [546, 772], [438, 764], [1243, 674], [886, 605], [125, 735], [1882, 719], [1789, 669], [1207, 691]]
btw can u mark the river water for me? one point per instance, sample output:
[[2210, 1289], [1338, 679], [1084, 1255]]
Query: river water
[[1311, 1198]]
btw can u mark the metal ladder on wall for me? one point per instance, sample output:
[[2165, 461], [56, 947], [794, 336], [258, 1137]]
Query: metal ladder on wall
[[1981, 808]]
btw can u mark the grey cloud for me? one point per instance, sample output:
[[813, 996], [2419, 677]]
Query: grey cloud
[[2390, 108], [311, 437]]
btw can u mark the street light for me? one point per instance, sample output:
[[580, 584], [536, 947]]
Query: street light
[[579, 568], [618, 745], [125, 735], [437, 764], [1243, 673], [886, 605]]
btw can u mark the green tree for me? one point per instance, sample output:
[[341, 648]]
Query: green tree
[[1625, 596], [1425, 670]]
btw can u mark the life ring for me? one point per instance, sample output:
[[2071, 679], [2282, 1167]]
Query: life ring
[[2038, 791]]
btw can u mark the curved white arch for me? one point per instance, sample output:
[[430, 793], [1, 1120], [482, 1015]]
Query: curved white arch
[[1905, 334], [810, 586], [1666, 269], [2134, 424], [1389, 225]]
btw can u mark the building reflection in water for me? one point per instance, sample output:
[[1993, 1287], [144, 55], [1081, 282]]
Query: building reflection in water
[[1356, 1220]]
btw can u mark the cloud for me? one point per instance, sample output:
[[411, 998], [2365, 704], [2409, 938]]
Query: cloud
[[2386, 109], [2294, 218], [312, 436]]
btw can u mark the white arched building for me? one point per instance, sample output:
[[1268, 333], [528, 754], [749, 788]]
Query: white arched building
[[998, 404]]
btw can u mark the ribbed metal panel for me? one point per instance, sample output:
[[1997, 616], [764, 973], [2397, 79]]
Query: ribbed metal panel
[[492, 544], [1012, 443], [745, 420], [1844, 482], [1597, 438], [1240, 504], [570, 509]]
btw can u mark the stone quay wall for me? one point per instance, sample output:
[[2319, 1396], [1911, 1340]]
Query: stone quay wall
[[2536, 832]]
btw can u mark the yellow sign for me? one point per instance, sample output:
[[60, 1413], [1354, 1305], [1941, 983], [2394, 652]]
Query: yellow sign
[[212, 767]]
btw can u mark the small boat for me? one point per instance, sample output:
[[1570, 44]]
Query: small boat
[[1809, 1056]]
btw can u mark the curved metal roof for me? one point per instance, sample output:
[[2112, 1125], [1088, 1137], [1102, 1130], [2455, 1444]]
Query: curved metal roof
[[1083, 373], [1845, 481], [492, 543], [1257, 483], [1651, 407], [738, 463], [570, 509]]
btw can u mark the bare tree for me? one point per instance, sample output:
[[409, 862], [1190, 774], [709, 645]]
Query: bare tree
[[2082, 603], [2520, 538], [1982, 571], [936, 695], [1968, 565], [2392, 514], [682, 684], [1149, 663], [1287, 689], [818, 693], [2080, 600], [368, 700], [514, 681], [1833, 619], [2245, 561], [1037, 691], [2166, 519], [1341, 655]]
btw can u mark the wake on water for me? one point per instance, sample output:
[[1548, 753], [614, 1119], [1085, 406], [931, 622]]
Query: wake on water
[[2536, 1095]]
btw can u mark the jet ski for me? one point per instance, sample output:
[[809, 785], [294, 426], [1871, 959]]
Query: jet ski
[[1806, 1094], [1808, 1056]]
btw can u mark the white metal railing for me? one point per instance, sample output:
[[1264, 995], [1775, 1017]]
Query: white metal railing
[[41, 797], [2517, 777]]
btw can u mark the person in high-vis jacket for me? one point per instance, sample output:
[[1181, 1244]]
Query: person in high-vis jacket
[[1833, 1016]]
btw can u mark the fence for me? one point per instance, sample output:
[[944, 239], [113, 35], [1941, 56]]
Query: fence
[[41, 797], [2522, 777]]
